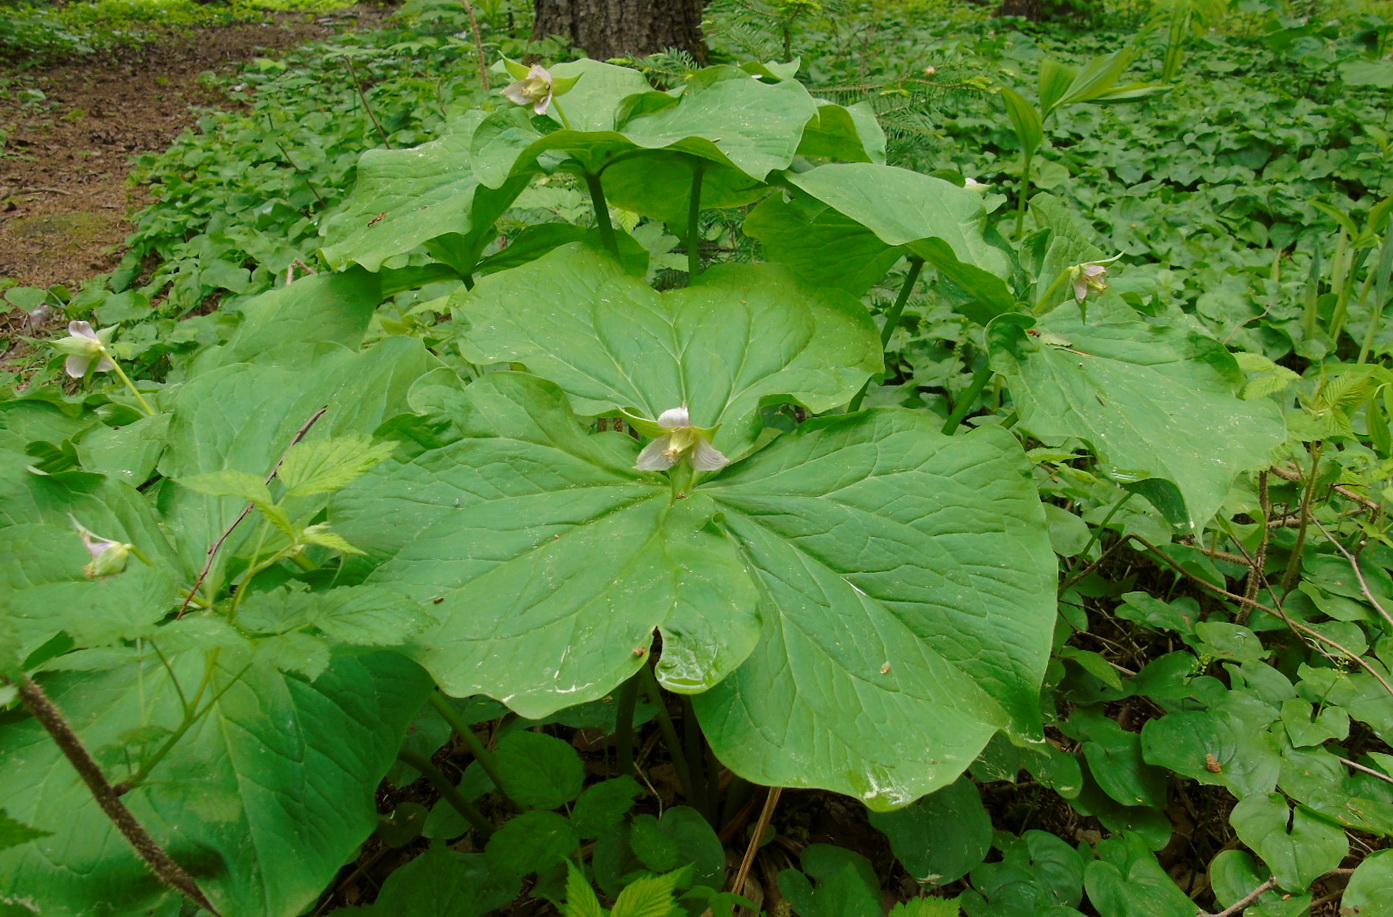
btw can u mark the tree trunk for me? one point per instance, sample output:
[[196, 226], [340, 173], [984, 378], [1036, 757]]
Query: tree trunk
[[620, 28]]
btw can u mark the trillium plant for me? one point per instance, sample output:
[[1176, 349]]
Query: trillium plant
[[615, 474]]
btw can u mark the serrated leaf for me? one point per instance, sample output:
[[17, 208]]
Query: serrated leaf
[[539, 771], [604, 805], [14, 833], [442, 881], [581, 900], [324, 466], [651, 896], [320, 535], [295, 652], [530, 842], [239, 484]]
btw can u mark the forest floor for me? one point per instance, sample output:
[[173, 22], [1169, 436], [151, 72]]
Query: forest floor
[[65, 199]]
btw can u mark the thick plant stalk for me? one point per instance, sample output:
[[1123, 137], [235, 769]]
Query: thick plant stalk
[[164, 867], [597, 197]]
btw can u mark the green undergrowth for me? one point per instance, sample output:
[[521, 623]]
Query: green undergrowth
[[36, 35], [978, 425]]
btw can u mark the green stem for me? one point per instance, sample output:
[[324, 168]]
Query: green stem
[[1059, 281], [1025, 192], [674, 745], [597, 198], [968, 398], [892, 320], [1294, 564], [121, 374], [693, 213], [624, 726], [1096, 533], [447, 791], [692, 744], [565, 121], [476, 748]]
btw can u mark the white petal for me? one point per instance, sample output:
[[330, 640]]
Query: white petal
[[674, 418], [538, 72], [543, 104], [81, 330], [707, 457], [105, 365], [654, 456], [515, 93], [76, 365]]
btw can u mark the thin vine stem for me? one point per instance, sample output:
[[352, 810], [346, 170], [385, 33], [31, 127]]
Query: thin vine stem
[[121, 374], [892, 320], [968, 398], [476, 748], [448, 791]]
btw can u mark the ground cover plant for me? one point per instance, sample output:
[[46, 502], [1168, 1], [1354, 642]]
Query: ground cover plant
[[484, 480]]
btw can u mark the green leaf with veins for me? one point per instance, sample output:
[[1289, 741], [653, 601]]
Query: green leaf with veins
[[928, 217], [404, 198], [1129, 387], [742, 336], [1296, 844], [869, 598], [734, 121], [276, 764]]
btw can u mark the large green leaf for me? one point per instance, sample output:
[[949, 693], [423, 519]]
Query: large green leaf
[[404, 198], [887, 588], [573, 557], [929, 217], [822, 245], [904, 579], [744, 335], [1131, 388], [726, 118], [262, 801]]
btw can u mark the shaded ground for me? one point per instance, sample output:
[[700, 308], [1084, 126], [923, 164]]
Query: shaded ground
[[63, 167]]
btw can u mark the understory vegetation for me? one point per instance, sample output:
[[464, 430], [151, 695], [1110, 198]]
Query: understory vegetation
[[920, 462]]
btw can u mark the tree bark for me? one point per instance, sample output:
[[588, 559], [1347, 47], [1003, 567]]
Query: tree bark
[[620, 28]]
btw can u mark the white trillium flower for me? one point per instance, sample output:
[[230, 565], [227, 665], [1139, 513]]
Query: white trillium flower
[[83, 345], [682, 441], [535, 89]]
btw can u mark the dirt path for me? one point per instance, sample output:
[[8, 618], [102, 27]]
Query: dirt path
[[63, 168]]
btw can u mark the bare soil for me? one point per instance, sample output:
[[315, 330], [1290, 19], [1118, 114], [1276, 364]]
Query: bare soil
[[64, 196]]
